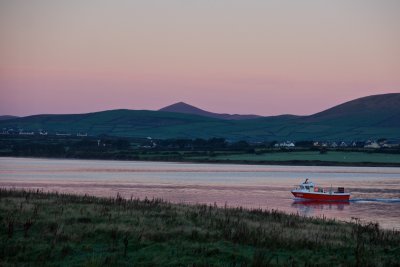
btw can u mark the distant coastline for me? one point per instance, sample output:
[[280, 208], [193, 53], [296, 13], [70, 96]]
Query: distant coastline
[[241, 162]]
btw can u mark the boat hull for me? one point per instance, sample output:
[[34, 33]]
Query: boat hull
[[322, 196]]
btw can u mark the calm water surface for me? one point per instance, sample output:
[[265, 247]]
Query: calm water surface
[[375, 191]]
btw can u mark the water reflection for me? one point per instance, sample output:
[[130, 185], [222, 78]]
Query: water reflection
[[314, 208], [375, 192]]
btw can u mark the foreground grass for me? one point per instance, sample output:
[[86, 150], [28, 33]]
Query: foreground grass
[[67, 230]]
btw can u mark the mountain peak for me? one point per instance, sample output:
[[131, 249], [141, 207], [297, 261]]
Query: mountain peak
[[181, 103], [182, 107]]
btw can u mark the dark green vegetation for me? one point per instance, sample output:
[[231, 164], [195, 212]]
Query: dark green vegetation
[[216, 150], [313, 156], [66, 230], [366, 118]]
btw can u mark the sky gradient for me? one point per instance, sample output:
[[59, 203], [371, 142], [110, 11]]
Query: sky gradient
[[250, 57]]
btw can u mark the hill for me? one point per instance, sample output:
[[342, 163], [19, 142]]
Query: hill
[[129, 123], [377, 110], [7, 117], [182, 107], [365, 118]]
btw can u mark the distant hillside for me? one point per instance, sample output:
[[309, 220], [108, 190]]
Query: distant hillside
[[7, 117], [375, 110], [366, 118], [130, 123], [182, 107]]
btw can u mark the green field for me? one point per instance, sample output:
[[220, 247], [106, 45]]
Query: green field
[[331, 156], [48, 229]]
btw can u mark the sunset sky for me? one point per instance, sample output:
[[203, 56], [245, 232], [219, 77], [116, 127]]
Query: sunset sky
[[260, 57]]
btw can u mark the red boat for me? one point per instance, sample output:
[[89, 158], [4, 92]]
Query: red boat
[[308, 190]]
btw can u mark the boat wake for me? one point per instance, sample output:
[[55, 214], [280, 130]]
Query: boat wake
[[302, 201], [379, 200]]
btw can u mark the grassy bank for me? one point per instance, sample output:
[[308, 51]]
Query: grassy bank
[[66, 230], [331, 158], [299, 158]]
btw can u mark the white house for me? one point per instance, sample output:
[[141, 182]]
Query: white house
[[285, 144], [372, 144]]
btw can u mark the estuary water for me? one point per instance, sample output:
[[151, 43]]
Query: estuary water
[[375, 191]]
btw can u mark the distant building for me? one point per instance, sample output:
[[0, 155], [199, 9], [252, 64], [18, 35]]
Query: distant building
[[26, 133], [343, 144], [390, 144], [288, 144], [372, 144], [10, 131], [63, 134], [316, 143]]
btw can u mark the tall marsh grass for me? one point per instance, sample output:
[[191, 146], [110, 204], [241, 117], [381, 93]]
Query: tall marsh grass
[[41, 228]]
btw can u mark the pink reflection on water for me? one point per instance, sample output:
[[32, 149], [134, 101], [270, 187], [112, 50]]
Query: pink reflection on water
[[266, 187]]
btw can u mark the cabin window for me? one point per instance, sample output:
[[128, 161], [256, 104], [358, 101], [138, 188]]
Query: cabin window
[[307, 187]]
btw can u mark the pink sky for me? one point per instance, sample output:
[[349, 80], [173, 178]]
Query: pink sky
[[259, 57]]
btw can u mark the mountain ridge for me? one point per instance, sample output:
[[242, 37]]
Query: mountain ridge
[[364, 118]]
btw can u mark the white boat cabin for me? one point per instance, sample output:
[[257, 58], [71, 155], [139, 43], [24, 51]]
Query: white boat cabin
[[307, 186]]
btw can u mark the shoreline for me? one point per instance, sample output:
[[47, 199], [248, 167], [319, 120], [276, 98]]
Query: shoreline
[[236, 162]]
